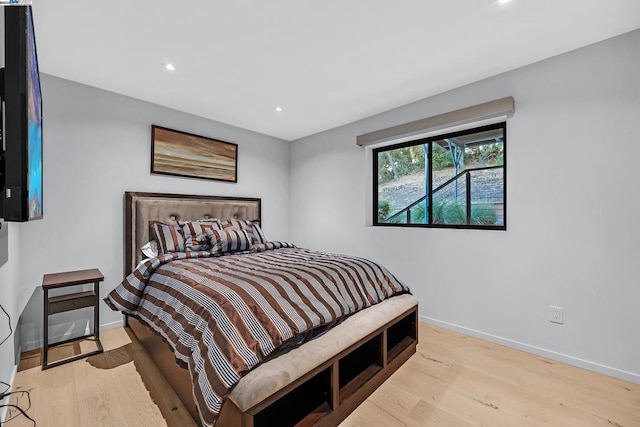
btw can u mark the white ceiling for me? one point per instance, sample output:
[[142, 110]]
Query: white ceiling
[[326, 62]]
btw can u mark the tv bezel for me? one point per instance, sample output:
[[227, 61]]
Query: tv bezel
[[15, 195]]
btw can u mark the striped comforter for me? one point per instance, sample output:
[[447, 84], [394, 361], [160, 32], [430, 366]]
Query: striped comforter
[[224, 315]]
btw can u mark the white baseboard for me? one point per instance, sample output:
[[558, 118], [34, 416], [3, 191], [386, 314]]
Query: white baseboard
[[112, 325], [6, 400], [560, 357], [34, 344]]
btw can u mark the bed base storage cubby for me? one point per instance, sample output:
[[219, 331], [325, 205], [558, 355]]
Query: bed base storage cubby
[[401, 335], [319, 383], [359, 366], [303, 405]]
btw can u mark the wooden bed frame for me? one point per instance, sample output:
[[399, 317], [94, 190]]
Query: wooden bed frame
[[321, 396]]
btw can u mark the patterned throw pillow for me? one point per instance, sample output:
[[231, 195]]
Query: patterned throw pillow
[[251, 227], [195, 233], [168, 236], [229, 240], [271, 245]]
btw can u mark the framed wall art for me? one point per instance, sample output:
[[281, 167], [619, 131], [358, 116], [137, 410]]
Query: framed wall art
[[184, 154]]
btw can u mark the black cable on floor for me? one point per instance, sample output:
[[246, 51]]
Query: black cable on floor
[[6, 392], [20, 410]]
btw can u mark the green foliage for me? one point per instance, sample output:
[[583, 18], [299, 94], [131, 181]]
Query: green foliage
[[401, 219], [453, 213], [405, 160], [385, 171], [418, 213], [384, 207], [483, 215], [448, 212], [417, 155], [485, 154], [440, 159]]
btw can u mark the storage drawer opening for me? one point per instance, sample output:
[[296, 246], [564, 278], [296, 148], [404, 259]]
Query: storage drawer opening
[[304, 405], [401, 335], [359, 366]]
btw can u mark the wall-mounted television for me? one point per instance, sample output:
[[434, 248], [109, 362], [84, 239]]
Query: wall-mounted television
[[22, 133]]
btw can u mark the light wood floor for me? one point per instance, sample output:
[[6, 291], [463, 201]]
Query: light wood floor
[[452, 381]]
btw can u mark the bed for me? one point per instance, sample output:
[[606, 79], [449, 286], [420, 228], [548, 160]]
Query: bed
[[303, 366]]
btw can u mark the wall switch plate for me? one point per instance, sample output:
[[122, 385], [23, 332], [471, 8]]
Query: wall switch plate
[[555, 314]]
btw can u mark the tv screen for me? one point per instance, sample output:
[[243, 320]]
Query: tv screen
[[23, 118], [34, 119]]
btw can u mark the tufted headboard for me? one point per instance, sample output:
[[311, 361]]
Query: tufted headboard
[[140, 208]]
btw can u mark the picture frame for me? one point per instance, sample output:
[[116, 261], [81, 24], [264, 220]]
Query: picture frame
[[184, 154]]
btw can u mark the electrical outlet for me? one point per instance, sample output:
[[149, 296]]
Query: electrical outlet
[[555, 314]]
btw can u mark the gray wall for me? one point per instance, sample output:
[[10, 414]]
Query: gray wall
[[572, 207], [572, 235], [97, 146], [9, 286]]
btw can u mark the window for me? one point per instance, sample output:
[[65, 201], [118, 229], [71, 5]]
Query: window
[[456, 180]]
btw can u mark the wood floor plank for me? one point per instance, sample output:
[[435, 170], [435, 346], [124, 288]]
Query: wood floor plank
[[471, 382], [452, 381], [58, 411], [370, 414], [101, 409]]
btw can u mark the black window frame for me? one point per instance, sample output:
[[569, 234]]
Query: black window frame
[[429, 141]]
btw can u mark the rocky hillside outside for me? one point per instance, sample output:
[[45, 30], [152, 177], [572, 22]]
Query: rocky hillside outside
[[408, 188]]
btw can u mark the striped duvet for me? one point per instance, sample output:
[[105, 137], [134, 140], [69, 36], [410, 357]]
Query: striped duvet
[[223, 315]]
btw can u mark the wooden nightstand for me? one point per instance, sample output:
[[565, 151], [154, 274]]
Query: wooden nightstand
[[68, 302]]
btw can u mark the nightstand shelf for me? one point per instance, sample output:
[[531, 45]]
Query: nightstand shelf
[[68, 302]]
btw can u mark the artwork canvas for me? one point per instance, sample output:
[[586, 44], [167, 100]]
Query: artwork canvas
[[184, 154]]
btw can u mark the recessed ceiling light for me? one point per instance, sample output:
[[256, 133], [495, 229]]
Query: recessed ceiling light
[[278, 109], [169, 66], [503, 2]]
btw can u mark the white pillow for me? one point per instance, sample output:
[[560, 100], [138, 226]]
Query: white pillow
[[150, 250]]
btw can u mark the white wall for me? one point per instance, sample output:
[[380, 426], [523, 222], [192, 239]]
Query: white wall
[[9, 281], [9, 286], [97, 146], [573, 228]]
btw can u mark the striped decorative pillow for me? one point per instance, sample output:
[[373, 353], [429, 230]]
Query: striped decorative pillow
[[251, 227], [168, 236], [195, 233], [229, 240], [271, 245]]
